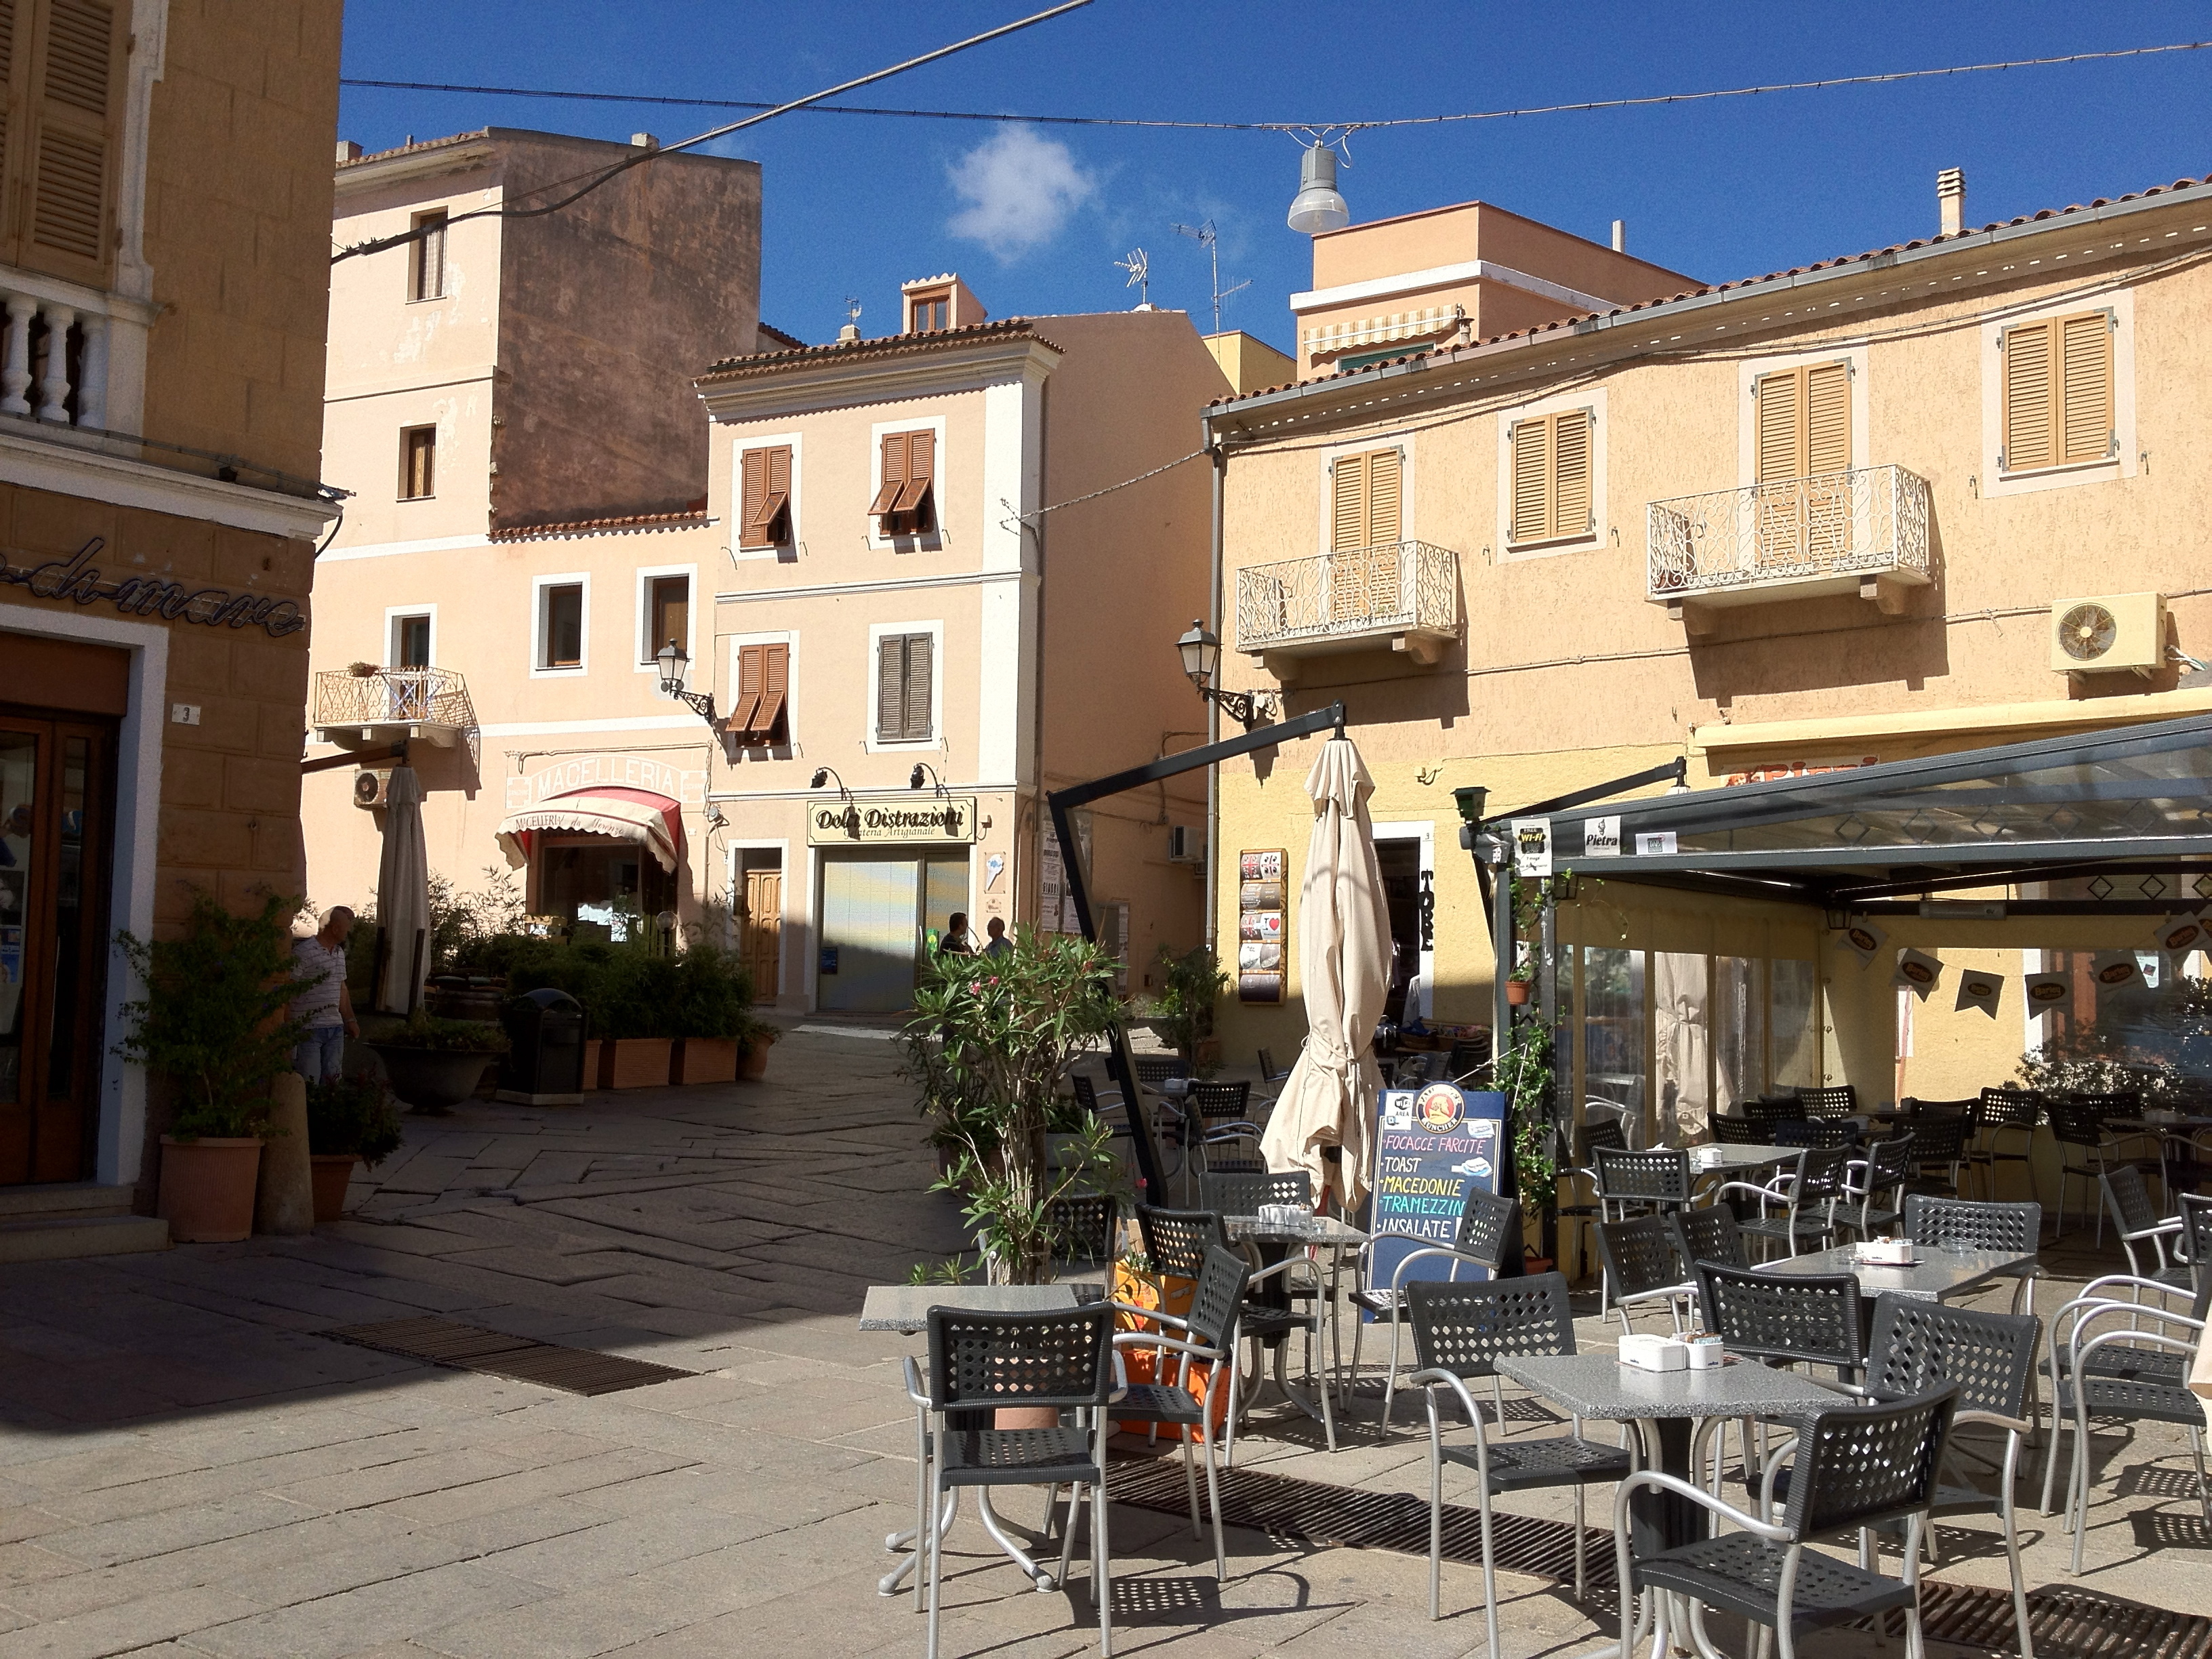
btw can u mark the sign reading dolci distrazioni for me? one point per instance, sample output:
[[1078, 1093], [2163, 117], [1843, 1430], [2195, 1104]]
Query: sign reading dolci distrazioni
[[79, 580], [865, 823]]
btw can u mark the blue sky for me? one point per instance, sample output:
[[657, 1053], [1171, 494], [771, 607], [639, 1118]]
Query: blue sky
[[1034, 218]]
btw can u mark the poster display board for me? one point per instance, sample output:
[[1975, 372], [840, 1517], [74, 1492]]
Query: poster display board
[[1262, 923], [1432, 1144]]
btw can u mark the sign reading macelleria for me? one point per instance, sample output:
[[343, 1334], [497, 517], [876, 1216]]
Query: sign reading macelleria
[[566, 776], [855, 822]]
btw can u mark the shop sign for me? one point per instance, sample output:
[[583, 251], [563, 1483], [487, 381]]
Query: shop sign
[[1601, 837], [81, 581], [687, 787], [876, 822], [1431, 1146], [1532, 846]]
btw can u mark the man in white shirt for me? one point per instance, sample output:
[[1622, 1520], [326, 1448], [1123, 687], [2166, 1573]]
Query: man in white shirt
[[325, 1004]]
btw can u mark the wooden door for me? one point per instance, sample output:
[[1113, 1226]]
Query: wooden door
[[763, 932]]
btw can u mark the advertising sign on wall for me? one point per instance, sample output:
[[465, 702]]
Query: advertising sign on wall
[[861, 822], [1431, 1146]]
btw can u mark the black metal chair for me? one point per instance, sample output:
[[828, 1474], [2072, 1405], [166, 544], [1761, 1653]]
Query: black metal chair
[[1737, 1131], [1153, 1070], [1966, 1224], [2197, 1230], [1238, 1193], [2084, 1149], [1084, 1227], [1460, 1331], [1802, 1319], [1177, 1239], [1806, 1196], [1602, 1132], [1989, 1357], [1708, 1233], [1817, 1132], [2003, 1112], [1855, 1467], [1840, 1101], [1468, 1056], [981, 1362], [1640, 1183], [1219, 1114], [1939, 1146], [2138, 1223], [1209, 1338], [1272, 1079], [1765, 1111], [1643, 1266], [1880, 1188], [1488, 1235]]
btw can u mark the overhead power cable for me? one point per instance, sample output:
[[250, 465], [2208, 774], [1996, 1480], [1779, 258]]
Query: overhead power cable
[[814, 106], [604, 175]]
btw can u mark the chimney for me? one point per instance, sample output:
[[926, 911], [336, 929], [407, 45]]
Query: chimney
[[347, 151], [1621, 236], [1951, 200], [850, 332], [643, 141]]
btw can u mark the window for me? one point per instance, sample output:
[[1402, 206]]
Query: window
[[2057, 381], [765, 500], [61, 109], [762, 716], [410, 642], [418, 463], [1551, 477], [667, 615], [1364, 500], [560, 625], [426, 270], [905, 502], [1801, 443], [929, 313], [903, 671]]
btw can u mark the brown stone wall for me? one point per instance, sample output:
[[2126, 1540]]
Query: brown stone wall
[[238, 215]]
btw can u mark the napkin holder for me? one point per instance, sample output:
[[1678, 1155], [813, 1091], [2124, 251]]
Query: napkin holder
[[1654, 1353], [1887, 1252]]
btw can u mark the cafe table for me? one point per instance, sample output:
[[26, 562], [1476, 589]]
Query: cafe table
[[904, 1308], [1316, 1233], [1665, 1406], [1933, 1275]]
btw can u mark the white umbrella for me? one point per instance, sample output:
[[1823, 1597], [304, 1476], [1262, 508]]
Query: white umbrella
[[403, 891], [1344, 948]]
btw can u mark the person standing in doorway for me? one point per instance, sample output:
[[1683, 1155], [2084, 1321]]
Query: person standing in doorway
[[325, 1004], [999, 944], [957, 941]]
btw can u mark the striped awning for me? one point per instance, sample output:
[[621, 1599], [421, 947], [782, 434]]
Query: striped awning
[[638, 815], [1430, 323]]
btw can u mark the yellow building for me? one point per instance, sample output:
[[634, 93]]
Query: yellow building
[[1931, 498]]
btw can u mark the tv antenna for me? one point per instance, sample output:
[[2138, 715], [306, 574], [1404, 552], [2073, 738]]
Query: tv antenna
[[1205, 237], [853, 310], [1139, 264]]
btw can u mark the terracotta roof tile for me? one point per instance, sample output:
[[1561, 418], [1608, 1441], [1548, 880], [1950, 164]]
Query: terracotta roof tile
[[693, 514], [416, 149], [1841, 260], [881, 345]]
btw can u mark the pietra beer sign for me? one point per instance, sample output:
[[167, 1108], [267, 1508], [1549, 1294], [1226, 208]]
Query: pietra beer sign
[[862, 823]]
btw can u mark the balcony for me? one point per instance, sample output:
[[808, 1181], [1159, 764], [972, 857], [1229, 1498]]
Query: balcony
[[358, 710], [1863, 531], [1404, 595]]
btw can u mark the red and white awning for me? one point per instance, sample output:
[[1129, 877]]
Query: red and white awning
[[638, 815]]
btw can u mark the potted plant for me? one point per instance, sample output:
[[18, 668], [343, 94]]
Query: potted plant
[[1524, 1076], [349, 1121], [710, 1016], [217, 1022], [758, 1037], [1520, 984], [436, 1064], [1191, 983]]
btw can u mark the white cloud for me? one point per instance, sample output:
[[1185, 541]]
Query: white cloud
[[1019, 189]]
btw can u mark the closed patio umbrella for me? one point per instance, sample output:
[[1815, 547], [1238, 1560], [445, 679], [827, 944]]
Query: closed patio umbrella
[[403, 891], [1344, 952]]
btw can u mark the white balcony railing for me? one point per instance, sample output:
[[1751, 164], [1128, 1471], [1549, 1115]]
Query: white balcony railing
[[1336, 600], [391, 703], [1828, 533], [53, 359]]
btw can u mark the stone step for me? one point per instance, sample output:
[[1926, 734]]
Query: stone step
[[58, 1240], [50, 1200]]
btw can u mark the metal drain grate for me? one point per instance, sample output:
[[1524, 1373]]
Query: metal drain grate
[[2065, 1622], [472, 1348]]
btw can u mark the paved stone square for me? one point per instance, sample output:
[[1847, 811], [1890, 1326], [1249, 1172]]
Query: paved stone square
[[186, 1466]]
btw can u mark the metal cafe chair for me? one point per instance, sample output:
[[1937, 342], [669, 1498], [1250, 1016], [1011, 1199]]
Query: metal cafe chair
[[1084, 1227], [1708, 1233], [1841, 1101], [980, 1362], [1460, 1331], [1806, 1197], [2086, 1147], [1803, 1319], [1940, 1130], [1153, 1070], [1853, 1468], [1468, 1056], [1637, 1183], [1882, 1175], [1765, 1111], [1738, 1131], [1271, 1078], [1111, 1109], [2003, 1112], [1487, 1234], [1235, 1193], [1220, 1115], [1209, 1338], [1817, 1132], [2127, 1200], [1966, 1224], [1643, 1267]]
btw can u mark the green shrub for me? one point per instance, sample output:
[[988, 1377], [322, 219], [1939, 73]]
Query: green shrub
[[469, 1036], [217, 1016], [354, 1114], [633, 990]]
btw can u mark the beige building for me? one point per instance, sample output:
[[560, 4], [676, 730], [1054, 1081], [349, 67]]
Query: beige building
[[924, 606], [163, 270], [1931, 498]]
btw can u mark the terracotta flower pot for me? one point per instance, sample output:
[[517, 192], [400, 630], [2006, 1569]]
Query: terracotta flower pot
[[207, 1188], [592, 1050], [753, 1063], [1516, 991], [637, 1063], [332, 1173], [433, 1080], [705, 1060]]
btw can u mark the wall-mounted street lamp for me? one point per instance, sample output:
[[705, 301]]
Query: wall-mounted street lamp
[[823, 775], [1201, 658], [925, 776], [673, 662]]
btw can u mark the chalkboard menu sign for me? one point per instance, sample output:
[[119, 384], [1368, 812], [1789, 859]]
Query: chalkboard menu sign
[[1432, 1144]]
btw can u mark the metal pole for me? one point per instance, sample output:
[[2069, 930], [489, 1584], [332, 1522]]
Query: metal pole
[[415, 975]]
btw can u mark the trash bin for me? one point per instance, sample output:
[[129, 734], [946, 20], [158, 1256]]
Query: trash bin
[[545, 1065]]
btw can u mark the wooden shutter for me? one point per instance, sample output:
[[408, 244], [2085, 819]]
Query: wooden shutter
[[914, 503], [63, 126], [768, 724], [752, 491], [765, 498], [1552, 479], [1827, 400], [1348, 503], [2027, 399], [15, 54], [919, 654], [1777, 412], [890, 688], [2085, 351], [1532, 471], [1385, 513], [1571, 473], [893, 473], [742, 713]]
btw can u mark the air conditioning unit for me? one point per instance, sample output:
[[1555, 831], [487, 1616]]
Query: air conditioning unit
[[2109, 634], [1185, 844], [369, 787]]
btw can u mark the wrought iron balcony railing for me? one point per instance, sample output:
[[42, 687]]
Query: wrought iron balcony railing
[[429, 703], [1790, 537], [1407, 590]]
